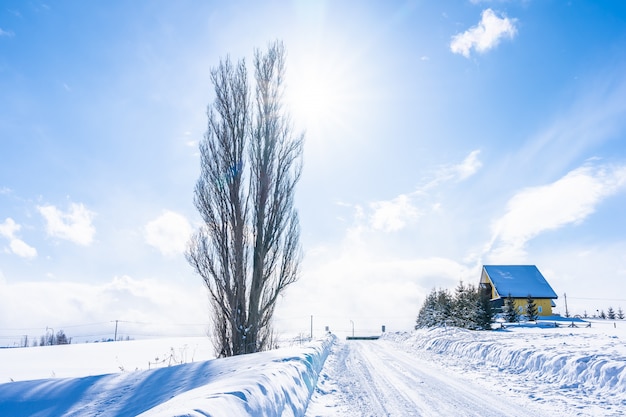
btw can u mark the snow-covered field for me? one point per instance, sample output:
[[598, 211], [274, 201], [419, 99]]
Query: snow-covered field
[[518, 371], [87, 359], [114, 379]]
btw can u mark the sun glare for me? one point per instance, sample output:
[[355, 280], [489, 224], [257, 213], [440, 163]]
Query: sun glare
[[317, 94]]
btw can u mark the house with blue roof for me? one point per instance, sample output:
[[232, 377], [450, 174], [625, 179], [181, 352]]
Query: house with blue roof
[[518, 282]]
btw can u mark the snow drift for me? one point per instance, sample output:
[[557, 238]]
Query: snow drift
[[274, 383], [568, 359]]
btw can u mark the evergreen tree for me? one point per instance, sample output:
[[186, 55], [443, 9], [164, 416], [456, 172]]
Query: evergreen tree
[[425, 315], [444, 307], [436, 309], [465, 307], [620, 313], [457, 307], [610, 313], [485, 314], [510, 312], [602, 315], [62, 339], [531, 309]]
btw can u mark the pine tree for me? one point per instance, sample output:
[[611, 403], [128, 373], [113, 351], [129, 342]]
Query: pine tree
[[465, 307], [469, 307], [620, 313], [426, 313], [444, 307], [610, 313], [531, 309], [511, 314], [602, 315], [62, 339], [484, 316], [436, 309], [457, 311]]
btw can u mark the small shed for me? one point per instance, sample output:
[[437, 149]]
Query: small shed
[[518, 282]]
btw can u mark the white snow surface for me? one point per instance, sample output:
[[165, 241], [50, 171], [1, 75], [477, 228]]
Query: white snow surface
[[275, 383], [523, 370]]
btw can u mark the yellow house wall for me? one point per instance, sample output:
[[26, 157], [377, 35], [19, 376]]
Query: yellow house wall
[[545, 303]]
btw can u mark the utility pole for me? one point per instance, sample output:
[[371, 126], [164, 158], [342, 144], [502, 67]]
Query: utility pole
[[566, 310], [352, 327], [115, 337]]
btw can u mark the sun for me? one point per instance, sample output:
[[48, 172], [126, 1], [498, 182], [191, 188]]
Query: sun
[[317, 93]]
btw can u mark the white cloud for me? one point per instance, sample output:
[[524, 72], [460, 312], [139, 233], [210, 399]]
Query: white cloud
[[365, 285], [21, 248], [595, 117], [8, 229], [143, 306], [484, 36], [470, 165], [455, 172], [393, 215], [7, 33], [75, 225], [568, 200], [169, 233], [568, 266], [398, 213]]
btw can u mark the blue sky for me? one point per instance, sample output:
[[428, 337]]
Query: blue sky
[[440, 136]]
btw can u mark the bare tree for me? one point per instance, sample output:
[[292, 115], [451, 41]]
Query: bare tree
[[247, 251]]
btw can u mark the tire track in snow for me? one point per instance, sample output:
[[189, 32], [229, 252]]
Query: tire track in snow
[[374, 378]]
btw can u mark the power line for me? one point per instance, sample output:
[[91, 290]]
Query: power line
[[39, 328]]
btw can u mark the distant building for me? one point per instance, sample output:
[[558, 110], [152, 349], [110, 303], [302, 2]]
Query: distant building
[[517, 281]]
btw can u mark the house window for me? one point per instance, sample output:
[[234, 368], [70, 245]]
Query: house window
[[539, 309]]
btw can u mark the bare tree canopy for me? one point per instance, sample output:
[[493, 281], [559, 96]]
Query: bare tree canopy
[[247, 251]]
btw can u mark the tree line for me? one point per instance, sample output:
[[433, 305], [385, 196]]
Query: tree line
[[49, 339], [468, 307], [611, 314]]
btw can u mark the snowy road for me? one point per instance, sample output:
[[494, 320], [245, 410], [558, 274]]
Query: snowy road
[[375, 378]]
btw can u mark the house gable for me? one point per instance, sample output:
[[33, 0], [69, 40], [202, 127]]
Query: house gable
[[518, 281]]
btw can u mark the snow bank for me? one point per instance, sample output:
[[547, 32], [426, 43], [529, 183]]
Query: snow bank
[[585, 360], [275, 383], [278, 385]]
